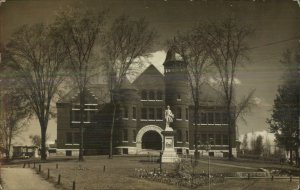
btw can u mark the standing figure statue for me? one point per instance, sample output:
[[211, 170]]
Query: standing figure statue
[[169, 118]]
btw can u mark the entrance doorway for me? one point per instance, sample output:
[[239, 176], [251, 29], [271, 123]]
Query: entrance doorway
[[152, 140]]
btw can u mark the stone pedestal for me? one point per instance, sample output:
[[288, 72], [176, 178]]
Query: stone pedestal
[[169, 154]]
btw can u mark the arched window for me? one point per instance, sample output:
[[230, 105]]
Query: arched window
[[151, 95], [159, 95], [179, 136], [144, 95]]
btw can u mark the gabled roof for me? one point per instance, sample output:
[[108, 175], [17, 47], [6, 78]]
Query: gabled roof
[[210, 95], [97, 94], [126, 84], [151, 70]]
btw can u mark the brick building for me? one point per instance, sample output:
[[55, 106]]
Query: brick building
[[140, 118]]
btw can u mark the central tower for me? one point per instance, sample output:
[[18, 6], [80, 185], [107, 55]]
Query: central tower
[[177, 96]]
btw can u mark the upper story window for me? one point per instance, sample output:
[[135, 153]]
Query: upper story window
[[125, 112], [203, 118], [178, 97], [89, 113], [186, 113], [125, 135], [144, 113], [144, 95], [151, 113], [159, 95], [178, 113], [210, 118], [179, 136], [159, 113], [217, 118], [151, 95], [224, 118], [133, 112]]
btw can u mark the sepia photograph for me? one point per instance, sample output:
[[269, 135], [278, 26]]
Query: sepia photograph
[[149, 94]]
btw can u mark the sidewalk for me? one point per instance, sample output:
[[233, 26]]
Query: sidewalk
[[23, 179]]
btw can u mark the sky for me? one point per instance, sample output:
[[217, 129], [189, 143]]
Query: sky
[[276, 27]]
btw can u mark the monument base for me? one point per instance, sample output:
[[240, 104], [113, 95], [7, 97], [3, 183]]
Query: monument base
[[169, 154]]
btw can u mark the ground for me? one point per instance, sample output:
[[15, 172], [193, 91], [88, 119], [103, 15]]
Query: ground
[[99, 172]]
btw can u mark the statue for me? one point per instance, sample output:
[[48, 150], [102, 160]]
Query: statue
[[169, 118]]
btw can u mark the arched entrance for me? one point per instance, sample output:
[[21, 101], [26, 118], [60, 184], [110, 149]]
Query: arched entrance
[[149, 134], [151, 140]]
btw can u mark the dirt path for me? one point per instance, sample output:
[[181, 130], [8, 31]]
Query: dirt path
[[23, 179]]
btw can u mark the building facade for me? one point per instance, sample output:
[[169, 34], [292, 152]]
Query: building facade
[[140, 116]]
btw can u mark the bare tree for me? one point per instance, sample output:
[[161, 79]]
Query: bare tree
[[36, 59], [126, 42], [15, 116], [227, 46], [36, 140], [79, 30], [191, 46]]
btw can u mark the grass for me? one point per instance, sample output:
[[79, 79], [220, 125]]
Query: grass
[[118, 173]]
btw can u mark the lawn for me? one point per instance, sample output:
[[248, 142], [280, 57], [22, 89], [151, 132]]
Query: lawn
[[99, 172]]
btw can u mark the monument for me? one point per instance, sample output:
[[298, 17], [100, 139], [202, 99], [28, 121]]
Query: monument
[[169, 154]]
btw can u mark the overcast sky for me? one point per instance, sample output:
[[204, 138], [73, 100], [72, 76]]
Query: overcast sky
[[276, 23]]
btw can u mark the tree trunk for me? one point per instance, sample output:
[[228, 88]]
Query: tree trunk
[[43, 143], [112, 132], [229, 120], [196, 120], [81, 100]]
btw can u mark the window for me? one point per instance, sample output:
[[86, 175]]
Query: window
[[159, 95], [125, 135], [76, 138], [133, 135], [144, 95], [218, 139], [186, 136], [203, 139], [159, 113], [186, 113], [218, 118], [75, 115], [178, 97], [225, 120], [203, 118], [151, 95], [125, 112], [69, 139], [151, 113], [133, 112], [178, 113], [211, 139], [225, 140], [179, 136], [210, 116], [144, 113]]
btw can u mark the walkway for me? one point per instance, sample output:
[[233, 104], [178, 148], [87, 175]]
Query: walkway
[[23, 179]]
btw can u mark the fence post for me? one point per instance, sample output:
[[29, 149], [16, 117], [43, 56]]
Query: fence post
[[28, 164], [48, 173], [74, 185], [33, 164], [56, 166], [58, 181], [272, 178], [40, 168], [104, 168], [24, 165], [248, 176], [290, 178]]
